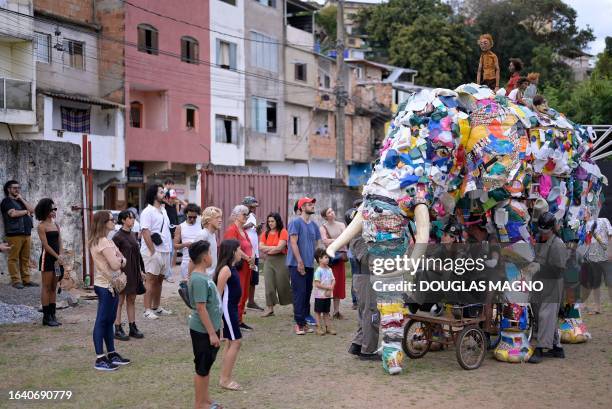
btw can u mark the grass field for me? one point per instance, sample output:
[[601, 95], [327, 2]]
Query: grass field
[[281, 370]]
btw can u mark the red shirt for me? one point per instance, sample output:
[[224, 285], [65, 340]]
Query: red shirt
[[273, 239], [245, 244], [512, 83]]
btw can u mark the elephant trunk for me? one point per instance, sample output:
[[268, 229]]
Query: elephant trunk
[[352, 230]]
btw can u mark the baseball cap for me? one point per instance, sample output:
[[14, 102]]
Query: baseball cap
[[304, 200], [250, 201]]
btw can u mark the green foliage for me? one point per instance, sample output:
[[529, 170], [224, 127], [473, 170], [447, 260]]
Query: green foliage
[[442, 62], [326, 19], [587, 102], [538, 32], [552, 70], [385, 21]]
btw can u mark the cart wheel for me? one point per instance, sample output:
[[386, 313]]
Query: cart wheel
[[471, 347], [530, 323], [415, 342], [493, 339]]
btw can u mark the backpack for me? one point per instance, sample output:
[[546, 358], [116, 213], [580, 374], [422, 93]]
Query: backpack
[[183, 290]]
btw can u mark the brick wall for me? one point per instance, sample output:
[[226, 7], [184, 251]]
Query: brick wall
[[79, 10], [357, 140], [110, 15]]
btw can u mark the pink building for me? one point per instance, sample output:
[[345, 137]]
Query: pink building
[[167, 94]]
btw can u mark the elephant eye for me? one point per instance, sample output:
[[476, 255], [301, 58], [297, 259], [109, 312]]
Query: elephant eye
[[442, 152]]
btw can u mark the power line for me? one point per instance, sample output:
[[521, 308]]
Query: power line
[[216, 31], [167, 53]]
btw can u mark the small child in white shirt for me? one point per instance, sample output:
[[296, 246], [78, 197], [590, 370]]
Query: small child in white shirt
[[323, 287]]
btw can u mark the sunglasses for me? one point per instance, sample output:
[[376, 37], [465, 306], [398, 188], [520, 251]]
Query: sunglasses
[[192, 217], [54, 209]]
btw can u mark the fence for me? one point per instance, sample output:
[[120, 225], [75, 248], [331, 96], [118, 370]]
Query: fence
[[226, 190]]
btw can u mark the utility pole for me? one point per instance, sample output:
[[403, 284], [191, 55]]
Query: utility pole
[[340, 93]]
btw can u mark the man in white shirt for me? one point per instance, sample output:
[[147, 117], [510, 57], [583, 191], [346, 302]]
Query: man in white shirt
[[155, 250], [251, 229]]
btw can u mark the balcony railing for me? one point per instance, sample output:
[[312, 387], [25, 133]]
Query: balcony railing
[[15, 94]]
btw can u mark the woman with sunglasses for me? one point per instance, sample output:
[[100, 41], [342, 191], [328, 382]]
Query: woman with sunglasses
[[236, 231], [51, 261], [187, 233]]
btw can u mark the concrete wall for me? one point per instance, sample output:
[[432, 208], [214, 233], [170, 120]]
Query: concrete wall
[[58, 75], [270, 22], [58, 178], [328, 192], [296, 146], [227, 87]]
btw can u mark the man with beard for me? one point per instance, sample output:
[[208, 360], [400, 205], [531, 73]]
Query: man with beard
[[304, 238]]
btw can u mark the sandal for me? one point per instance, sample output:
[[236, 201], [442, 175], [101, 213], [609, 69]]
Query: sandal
[[268, 314], [215, 405], [232, 386]]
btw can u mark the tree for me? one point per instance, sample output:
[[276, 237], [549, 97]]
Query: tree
[[384, 21], [326, 19], [519, 28], [435, 48], [553, 71]]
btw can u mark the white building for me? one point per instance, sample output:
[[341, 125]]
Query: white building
[[227, 82], [17, 68], [67, 64]]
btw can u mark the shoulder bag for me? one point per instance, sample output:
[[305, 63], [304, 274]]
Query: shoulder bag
[[156, 237]]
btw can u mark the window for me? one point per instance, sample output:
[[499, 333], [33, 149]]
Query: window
[[189, 50], [359, 72], [296, 126], [232, 2], [264, 52], [300, 72], [351, 41], [264, 115], [226, 55], [226, 129], [42, 44], [136, 114], [323, 127], [148, 39], [75, 120], [269, 3], [191, 116], [75, 51], [324, 79]]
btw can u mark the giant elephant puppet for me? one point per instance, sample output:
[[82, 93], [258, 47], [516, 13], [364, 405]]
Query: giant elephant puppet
[[469, 151]]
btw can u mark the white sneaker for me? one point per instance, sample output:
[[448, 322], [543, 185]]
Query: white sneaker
[[161, 311], [150, 315], [169, 279]]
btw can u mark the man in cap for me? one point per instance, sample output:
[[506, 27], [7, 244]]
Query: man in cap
[[551, 255], [250, 227], [304, 238]]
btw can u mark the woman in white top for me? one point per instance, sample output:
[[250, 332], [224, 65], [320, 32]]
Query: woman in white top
[[211, 223], [187, 233]]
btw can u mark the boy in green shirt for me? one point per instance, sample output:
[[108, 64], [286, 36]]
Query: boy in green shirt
[[204, 321]]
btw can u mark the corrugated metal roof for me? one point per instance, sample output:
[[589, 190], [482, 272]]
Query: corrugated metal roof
[[82, 98]]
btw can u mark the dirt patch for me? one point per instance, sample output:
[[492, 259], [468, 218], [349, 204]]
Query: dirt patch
[[281, 370]]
